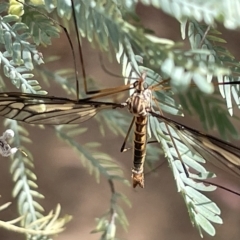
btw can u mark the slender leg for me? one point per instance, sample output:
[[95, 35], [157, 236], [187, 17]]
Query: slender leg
[[123, 149], [174, 144]]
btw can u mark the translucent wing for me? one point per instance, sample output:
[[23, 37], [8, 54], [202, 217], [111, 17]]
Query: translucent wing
[[218, 152], [38, 109]]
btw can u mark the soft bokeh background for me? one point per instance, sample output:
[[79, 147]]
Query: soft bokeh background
[[158, 211]]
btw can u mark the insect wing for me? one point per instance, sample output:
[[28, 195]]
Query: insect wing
[[219, 153], [38, 109], [222, 154]]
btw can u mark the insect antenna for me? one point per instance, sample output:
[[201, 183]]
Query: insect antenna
[[108, 71]]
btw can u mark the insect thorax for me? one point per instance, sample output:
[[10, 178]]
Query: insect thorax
[[139, 103]]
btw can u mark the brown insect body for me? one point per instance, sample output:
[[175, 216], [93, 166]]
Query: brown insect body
[[140, 140], [139, 103], [48, 110]]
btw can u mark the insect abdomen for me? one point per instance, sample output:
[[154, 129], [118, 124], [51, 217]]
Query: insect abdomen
[[140, 140]]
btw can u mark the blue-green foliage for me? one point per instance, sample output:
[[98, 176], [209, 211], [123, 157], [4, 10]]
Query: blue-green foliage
[[111, 26]]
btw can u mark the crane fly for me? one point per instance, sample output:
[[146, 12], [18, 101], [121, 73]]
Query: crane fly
[[38, 109], [47, 110]]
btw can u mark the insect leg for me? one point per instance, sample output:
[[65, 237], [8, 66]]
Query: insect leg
[[103, 92], [69, 40], [172, 139], [204, 36], [123, 149], [196, 141]]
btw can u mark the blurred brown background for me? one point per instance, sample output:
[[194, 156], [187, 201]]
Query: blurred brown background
[[158, 211]]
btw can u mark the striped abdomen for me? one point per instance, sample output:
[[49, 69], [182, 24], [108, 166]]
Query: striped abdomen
[[140, 140], [139, 104]]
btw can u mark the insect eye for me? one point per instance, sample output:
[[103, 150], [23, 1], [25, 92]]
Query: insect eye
[[145, 85]]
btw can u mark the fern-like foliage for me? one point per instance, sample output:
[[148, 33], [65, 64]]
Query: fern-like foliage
[[110, 28], [202, 210], [32, 221], [209, 12], [204, 106], [17, 59], [107, 223], [110, 25], [52, 220], [99, 164], [219, 54]]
